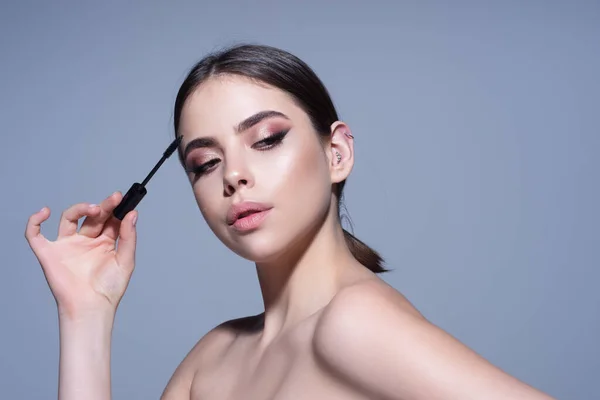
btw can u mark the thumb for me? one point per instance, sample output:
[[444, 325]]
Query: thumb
[[127, 241]]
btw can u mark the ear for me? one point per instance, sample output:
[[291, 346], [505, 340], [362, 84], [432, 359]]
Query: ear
[[340, 152]]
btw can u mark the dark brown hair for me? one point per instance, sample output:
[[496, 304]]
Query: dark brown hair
[[287, 72]]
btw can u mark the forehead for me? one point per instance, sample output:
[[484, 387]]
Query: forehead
[[220, 103]]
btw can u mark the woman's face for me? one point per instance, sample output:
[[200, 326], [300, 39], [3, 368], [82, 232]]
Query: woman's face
[[273, 165]]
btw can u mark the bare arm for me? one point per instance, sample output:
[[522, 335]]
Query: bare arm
[[368, 339], [84, 367]]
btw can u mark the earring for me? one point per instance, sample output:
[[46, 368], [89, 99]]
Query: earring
[[338, 156], [348, 135]]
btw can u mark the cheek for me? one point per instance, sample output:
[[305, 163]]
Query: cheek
[[299, 174], [209, 201]]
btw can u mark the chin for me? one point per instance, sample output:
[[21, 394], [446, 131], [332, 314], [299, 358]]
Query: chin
[[272, 241], [259, 247], [262, 245], [270, 245]]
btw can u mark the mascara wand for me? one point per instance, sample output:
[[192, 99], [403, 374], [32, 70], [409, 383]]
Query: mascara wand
[[137, 191]]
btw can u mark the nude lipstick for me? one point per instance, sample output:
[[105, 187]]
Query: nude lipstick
[[247, 215]]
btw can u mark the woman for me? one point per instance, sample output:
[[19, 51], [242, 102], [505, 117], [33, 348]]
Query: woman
[[267, 159]]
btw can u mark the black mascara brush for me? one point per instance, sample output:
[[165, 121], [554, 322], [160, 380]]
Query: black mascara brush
[[137, 191]]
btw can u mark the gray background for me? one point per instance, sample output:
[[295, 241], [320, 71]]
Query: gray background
[[476, 172]]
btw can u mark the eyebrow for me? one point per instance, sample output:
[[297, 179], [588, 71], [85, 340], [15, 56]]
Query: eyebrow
[[241, 127]]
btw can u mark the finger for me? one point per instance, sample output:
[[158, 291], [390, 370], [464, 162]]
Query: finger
[[112, 227], [93, 226], [70, 218], [127, 241], [33, 232]]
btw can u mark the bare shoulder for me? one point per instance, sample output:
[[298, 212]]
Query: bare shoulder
[[204, 356], [371, 336], [365, 302], [369, 295]]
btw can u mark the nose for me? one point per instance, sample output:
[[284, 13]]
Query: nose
[[236, 175]]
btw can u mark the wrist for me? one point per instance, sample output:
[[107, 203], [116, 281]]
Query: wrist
[[86, 315], [86, 333], [97, 323]]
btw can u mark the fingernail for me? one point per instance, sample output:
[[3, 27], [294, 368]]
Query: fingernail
[[93, 205], [43, 208], [134, 220]]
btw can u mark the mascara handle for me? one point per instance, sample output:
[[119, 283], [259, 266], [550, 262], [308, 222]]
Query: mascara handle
[[134, 195]]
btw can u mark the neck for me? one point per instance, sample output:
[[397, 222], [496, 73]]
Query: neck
[[303, 281]]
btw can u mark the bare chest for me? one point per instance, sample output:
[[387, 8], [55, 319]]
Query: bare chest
[[287, 370]]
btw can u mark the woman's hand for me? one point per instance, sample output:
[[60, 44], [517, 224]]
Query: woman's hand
[[86, 271]]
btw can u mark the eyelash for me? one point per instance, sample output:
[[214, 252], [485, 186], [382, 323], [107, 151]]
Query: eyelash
[[267, 143]]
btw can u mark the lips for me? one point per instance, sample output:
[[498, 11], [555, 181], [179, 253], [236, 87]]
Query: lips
[[244, 209]]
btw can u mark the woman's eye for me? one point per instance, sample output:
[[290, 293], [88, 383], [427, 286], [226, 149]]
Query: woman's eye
[[264, 144], [270, 141], [204, 168]]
